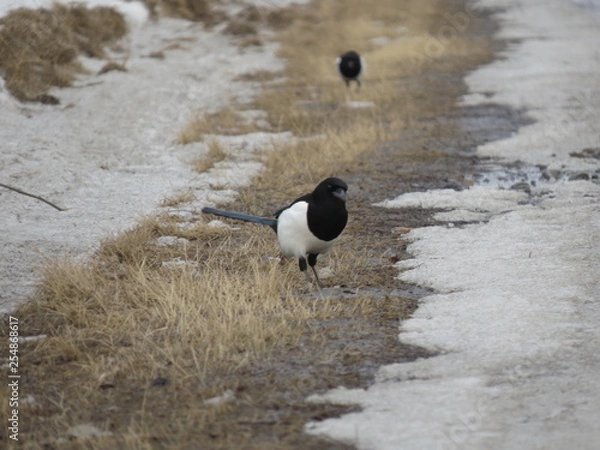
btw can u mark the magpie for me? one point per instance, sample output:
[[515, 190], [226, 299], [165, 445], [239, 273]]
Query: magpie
[[308, 226], [350, 65]]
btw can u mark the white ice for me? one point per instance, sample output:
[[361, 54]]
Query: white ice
[[516, 315]]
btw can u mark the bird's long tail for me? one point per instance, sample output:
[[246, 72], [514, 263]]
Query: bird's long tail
[[240, 216]]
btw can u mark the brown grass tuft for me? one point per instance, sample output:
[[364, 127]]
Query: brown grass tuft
[[196, 10], [38, 47], [258, 76], [226, 121], [112, 66], [215, 154], [240, 28], [279, 19], [178, 199]]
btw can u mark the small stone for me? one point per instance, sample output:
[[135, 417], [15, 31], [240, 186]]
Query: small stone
[[579, 176], [521, 186], [401, 230], [160, 381], [227, 396], [170, 241], [592, 152], [87, 431]]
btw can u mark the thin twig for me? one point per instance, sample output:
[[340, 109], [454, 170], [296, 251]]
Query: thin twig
[[93, 83], [31, 195]]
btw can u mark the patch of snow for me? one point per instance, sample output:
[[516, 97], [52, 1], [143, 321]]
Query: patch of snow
[[227, 396], [379, 41], [275, 3], [248, 145], [29, 400], [359, 104], [38, 337], [476, 198], [180, 263], [221, 224], [478, 203], [87, 431], [169, 241]]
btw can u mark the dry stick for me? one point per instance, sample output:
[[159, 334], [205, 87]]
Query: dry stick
[[30, 195]]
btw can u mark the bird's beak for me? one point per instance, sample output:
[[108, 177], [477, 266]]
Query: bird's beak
[[341, 194]]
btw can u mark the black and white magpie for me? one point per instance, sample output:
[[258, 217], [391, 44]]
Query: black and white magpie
[[308, 226], [350, 65]]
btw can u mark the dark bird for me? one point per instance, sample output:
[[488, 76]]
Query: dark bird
[[308, 226], [350, 65]]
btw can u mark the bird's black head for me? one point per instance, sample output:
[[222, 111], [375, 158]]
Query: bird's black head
[[332, 187], [350, 55]]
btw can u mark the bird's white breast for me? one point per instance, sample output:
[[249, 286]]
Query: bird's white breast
[[294, 235]]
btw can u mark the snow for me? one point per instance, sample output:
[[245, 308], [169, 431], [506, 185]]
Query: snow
[[476, 203], [516, 311], [108, 152]]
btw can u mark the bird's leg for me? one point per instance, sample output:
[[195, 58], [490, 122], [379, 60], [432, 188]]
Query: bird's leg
[[318, 282], [312, 262], [357, 85], [347, 93], [303, 267]]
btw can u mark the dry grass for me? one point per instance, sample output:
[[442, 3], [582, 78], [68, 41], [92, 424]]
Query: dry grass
[[178, 199], [198, 316], [258, 76], [196, 10], [198, 305], [144, 332], [38, 47], [240, 28], [226, 121], [215, 154], [324, 155]]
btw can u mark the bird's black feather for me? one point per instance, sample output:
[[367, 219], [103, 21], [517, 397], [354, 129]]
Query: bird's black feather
[[241, 216], [350, 67]]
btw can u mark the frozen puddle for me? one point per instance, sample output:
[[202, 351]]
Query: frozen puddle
[[522, 176], [515, 177]]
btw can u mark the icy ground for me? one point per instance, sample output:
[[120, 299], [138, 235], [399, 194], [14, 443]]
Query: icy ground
[[108, 152], [517, 311]]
